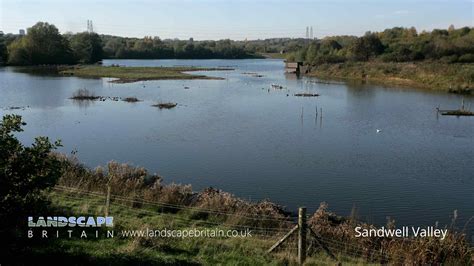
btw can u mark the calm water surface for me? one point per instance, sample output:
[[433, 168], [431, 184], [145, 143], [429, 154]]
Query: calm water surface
[[241, 136]]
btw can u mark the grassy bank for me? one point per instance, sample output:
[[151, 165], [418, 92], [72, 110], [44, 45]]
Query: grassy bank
[[122, 250], [140, 201], [134, 74], [425, 75]]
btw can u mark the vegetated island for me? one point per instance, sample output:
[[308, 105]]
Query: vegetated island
[[134, 74]]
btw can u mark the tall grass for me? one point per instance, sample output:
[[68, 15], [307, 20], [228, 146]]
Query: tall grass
[[84, 94], [217, 206], [339, 233]]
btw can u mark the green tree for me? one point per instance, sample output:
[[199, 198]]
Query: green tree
[[25, 172], [86, 47], [18, 53], [42, 45], [3, 49], [366, 47]]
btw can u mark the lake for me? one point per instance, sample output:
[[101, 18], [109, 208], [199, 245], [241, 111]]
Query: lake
[[244, 137]]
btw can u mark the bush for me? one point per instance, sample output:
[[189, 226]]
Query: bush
[[449, 59], [25, 172], [467, 58]]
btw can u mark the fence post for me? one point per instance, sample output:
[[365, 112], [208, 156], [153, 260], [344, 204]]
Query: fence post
[[107, 201], [301, 235]]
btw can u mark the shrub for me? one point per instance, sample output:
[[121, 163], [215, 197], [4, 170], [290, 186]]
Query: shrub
[[25, 172], [466, 58]]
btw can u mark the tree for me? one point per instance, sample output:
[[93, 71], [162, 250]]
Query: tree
[[17, 53], [25, 172], [42, 45], [86, 47], [3, 50], [366, 47]]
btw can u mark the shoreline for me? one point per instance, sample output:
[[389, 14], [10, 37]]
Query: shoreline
[[452, 78], [133, 187], [135, 74]]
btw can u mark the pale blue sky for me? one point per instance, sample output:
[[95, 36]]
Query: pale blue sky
[[235, 19]]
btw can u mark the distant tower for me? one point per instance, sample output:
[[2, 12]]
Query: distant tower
[[307, 32], [90, 27], [311, 33], [21, 32]]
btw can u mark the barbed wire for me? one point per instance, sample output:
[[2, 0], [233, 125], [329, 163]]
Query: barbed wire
[[256, 217], [267, 233], [271, 229]]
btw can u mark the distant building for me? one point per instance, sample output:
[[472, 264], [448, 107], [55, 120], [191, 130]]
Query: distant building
[[22, 32], [1, 33]]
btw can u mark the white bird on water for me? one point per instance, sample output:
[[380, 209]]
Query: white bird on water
[[379, 130]]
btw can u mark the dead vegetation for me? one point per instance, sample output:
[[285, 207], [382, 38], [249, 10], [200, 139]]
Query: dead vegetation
[[338, 233], [84, 95], [131, 99], [306, 94], [135, 186], [165, 105]]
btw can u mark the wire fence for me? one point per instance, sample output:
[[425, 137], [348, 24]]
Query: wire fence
[[224, 220]]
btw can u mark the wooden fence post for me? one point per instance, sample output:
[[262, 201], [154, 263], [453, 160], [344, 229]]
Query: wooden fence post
[[301, 235], [107, 201]]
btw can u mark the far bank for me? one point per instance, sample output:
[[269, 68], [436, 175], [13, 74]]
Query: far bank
[[454, 78]]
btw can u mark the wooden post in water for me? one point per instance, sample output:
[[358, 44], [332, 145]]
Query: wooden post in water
[[301, 235], [107, 201]]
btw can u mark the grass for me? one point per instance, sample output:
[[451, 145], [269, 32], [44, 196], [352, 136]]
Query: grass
[[140, 200], [456, 78], [163, 251], [134, 74]]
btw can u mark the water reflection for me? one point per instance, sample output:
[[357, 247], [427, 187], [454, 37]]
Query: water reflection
[[242, 136]]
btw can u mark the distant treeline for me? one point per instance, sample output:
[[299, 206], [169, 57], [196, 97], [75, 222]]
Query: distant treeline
[[43, 44], [392, 45], [155, 48]]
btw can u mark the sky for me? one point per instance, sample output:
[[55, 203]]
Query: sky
[[235, 19]]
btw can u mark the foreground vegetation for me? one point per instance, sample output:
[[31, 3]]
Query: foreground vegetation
[[36, 182], [456, 78], [134, 74], [162, 251]]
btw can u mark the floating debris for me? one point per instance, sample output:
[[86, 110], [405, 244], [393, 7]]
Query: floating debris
[[253, 74], [165, 105], [276, 86], [16, 107], [459, 112], [131, 100], [306, 94]]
